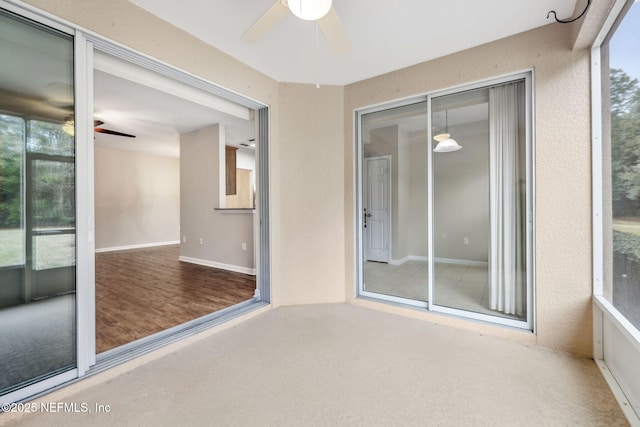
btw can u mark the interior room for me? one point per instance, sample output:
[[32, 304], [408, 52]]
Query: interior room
[[440, 216], [148, 276]]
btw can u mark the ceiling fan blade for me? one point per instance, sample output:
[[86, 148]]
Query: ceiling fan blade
[[268, 20], [334, 32], [113, 132]]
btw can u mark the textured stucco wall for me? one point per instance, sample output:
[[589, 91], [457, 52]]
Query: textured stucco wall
[[312, 193], [562, 172]]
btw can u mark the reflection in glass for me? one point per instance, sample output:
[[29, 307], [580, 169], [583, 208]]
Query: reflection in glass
[[37, 204], [395, 201], [479, 202]]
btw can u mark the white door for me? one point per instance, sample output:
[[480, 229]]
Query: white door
[[377, 212]]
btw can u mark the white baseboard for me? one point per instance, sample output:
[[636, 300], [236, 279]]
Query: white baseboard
[[408, 258], [399, 261], [207, 263], [462, 262], [440, 260], [139, 246]]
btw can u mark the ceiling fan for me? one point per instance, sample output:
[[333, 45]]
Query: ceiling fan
[[97, 123], [321, 11], [68, 127]]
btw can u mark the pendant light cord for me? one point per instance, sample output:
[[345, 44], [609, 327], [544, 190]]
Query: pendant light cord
[[446, 122]]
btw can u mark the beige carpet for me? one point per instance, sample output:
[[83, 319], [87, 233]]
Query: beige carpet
[[341, 365]]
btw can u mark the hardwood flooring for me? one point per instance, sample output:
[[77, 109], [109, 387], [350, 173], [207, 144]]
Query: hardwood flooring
[[143, 291]]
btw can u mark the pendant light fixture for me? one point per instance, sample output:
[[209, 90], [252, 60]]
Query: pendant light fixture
[[446, 144], [309, 10]]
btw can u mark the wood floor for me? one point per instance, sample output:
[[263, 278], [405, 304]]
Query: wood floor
[[143, 291]]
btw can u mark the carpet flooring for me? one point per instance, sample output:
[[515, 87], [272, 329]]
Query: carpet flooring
[[343, 365], [36, 339]]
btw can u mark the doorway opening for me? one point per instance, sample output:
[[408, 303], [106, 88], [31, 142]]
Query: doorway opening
[[168, 251]]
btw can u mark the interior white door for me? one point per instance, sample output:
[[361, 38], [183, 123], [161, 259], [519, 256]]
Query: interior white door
[[377, 212]]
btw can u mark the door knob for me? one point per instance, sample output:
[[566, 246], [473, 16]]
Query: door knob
[[366, 215]]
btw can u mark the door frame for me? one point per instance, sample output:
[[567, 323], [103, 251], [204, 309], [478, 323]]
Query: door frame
[[98, 362], [530, 323], [360, 290]]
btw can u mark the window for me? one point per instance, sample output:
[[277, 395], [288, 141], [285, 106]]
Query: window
[[621, 164], [616, 203]]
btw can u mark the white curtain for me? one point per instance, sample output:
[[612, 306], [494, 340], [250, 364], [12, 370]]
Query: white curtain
[[506, 264]]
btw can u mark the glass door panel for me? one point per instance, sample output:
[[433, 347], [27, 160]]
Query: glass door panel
[[394, 190], [479, 200], [37, 204]]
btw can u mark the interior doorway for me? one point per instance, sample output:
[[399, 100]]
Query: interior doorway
[[377, 212], [160, 258]]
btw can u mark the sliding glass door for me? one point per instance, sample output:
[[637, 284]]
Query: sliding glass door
[[445, 202], [394, 203], [49, 126], [479, 199], [37, 204]]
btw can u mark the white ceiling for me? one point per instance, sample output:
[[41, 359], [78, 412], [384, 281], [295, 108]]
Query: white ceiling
[[385, 35], [156, 118]]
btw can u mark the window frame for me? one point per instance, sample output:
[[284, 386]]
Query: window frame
[[597, 180], [616, 342]]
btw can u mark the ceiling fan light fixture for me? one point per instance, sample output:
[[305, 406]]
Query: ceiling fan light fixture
[[68, 126], [59, 94], [309, 10]]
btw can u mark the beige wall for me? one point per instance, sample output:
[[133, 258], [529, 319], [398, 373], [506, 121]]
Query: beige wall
[[562, 155], [461, 196], [137, 198], [403, 231], [312, 186], [312, 173], [418, 203], [207, 234]]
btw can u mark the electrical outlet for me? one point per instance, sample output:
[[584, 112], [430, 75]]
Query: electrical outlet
[[184, 239], [201, 240], [465, 240], [244, 246]]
